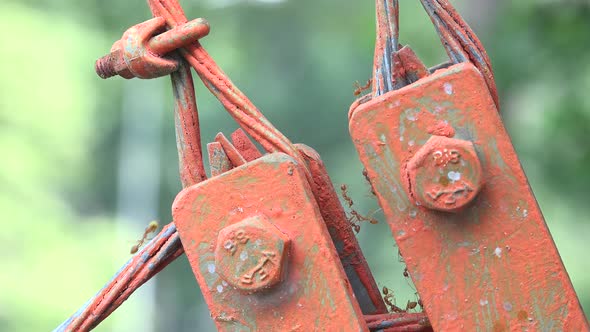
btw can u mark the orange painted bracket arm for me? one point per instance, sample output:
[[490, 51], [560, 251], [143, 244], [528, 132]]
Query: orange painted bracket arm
[[262, 254], [460, 208]]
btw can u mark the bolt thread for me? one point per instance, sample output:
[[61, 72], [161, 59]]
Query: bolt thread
[[104, 67]]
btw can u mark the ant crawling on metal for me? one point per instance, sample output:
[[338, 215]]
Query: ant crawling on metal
[[414, 304], [356, 218], [366, 176], [359, 89], [389, 300], [411, 305], [418, 302], [151, 228]]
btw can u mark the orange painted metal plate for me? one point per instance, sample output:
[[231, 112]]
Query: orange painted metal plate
[[493, 266], [268, 195]]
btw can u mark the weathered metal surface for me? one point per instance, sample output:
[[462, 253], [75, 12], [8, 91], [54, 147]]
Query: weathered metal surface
[[412, 69], [252, 255], [166, 246], [397, 322], [350, 253], [445, 174], [188, 132], [315, 294], [179, 36], [139, 53], [492, 266], [385, 75], [246, 147], [234, 100], [219, 163], [232, 153], [460, 42], [151, 259], [353, 261], [357, 270]]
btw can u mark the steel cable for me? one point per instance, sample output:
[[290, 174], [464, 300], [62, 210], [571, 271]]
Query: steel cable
[[166, 246], [460, 42], [458, 39]]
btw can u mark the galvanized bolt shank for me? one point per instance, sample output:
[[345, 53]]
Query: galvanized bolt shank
[[445, 174], [252, 255], [139, 53]]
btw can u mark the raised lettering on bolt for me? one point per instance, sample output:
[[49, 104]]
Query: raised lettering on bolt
[[445, 174], [252, 255]]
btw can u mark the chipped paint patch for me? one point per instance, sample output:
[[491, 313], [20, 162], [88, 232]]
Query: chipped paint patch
[[448, 87], [243, 255], [454, 176], [498, 252]]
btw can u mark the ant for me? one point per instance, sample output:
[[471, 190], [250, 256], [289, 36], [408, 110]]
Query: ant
[[411, 305], [366, 175], [414, 304], [418, 302], [355, 217], [345, 196], [359, 89], [389, 300], [400, 257], [151, 228]]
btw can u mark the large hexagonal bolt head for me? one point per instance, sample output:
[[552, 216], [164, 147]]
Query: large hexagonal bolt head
[[445, 174], [252, 255]]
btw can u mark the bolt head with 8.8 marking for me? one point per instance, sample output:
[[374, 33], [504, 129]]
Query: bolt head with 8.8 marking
[[252, 255], [445, 174]]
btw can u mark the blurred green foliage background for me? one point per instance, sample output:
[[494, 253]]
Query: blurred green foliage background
[[88, 163]]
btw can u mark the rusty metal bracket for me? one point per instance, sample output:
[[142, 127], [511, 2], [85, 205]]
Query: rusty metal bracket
[[268, 240], [452, 189], [265, 262], [480, 261]]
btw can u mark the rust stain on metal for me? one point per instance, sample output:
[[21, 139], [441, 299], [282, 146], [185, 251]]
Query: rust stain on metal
[[315, 293], [492, 263]]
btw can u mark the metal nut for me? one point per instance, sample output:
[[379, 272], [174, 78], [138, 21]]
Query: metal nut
[[445, 174], [139, 53], [252, 255]]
